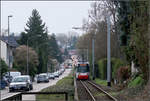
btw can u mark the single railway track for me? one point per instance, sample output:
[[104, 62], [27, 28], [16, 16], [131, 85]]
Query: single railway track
[[87, 85], [100, 89], [88, 91]]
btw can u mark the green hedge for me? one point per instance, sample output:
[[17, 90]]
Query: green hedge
[[102, 67]]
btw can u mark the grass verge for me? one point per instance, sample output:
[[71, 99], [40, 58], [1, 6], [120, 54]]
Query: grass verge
[[64, 85], [100, 82]]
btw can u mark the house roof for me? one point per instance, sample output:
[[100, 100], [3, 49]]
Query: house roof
[[12, 42]]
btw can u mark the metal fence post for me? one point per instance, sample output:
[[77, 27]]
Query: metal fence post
[[66, 96]]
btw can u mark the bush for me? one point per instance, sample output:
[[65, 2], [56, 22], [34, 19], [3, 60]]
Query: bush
[[116, 64], [123, 74], [138, 81], [4, 67], [102, 67]]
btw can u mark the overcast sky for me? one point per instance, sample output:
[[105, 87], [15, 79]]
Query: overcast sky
[[59, 16]]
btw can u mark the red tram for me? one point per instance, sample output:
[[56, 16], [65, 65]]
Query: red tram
[[82, 71]]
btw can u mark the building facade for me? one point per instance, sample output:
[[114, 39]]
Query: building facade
[[7, 48]]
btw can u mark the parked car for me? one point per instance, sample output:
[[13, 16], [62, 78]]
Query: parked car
[[51, 76], [21, 83], [42, 78], [8, 76], [62, 71], [3, 84], [56, 74]]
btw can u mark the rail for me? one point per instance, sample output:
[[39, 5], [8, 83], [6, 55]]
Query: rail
[[88, 91], [110, 96]]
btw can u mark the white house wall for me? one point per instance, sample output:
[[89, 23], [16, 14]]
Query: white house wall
[[4, 51]]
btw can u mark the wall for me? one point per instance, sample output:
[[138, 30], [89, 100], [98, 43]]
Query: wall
[[3, 51]]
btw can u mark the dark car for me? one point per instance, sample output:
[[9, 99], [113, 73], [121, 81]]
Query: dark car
[[3, 84], [42, 78], [21, 83]]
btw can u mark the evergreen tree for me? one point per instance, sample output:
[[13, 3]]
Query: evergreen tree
[[37, 38], [23, 39], [36, 30], [55, 51]]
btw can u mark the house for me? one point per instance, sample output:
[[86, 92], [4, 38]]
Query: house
[[6, 49]]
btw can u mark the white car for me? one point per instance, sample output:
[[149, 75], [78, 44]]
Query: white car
[[10, 75], [56, 74]]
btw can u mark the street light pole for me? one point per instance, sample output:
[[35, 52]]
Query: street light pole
[[8, 42], [9, 47]]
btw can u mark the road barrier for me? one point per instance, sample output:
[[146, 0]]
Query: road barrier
[[18, 97]]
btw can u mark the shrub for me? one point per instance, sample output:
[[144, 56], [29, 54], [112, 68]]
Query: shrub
[[102, 67], [138, 81], [116, 63], [4, 67], [123, 73]]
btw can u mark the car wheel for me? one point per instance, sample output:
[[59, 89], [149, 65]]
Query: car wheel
[[28, 88], [31, 87]]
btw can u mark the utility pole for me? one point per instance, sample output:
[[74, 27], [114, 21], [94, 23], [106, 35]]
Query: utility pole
[[93, 44], [108, 53], [87, 55], [27, 57], [93, 56]]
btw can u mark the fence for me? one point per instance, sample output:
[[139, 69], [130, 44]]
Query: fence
[[18, 97]]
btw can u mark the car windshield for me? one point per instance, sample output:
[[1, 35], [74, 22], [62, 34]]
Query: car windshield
[[42, 76], [20, 79]]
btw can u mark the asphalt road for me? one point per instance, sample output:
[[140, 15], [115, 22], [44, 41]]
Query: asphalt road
[[36, 87]]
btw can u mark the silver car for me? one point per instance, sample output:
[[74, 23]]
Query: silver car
[[51, 76], [20, 83]]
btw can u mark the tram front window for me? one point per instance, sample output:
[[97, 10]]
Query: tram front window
[[82, 69]]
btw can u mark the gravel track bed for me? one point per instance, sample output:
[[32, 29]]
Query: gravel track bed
[[98, 95], [82, 93]]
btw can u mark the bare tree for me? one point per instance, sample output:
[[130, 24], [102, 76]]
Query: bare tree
[[97, 20], [20, 59]]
